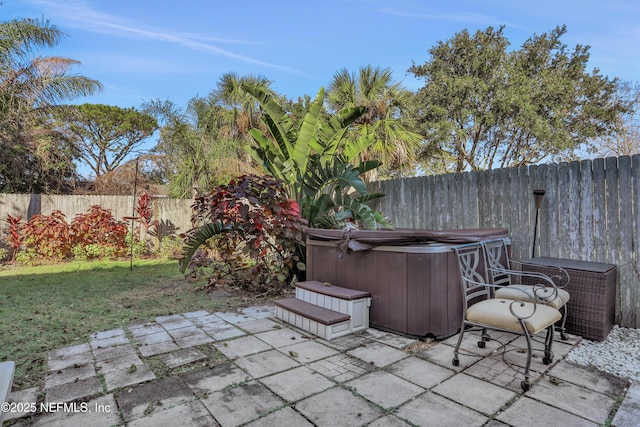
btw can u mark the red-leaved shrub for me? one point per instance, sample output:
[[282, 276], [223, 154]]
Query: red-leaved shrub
[[14, 235], [49, 236], [98, 226], [145, 214], [95, 234], [262, 240]]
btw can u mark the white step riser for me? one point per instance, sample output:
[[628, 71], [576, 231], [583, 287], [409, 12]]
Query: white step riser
[[327, 332], [358, 309]]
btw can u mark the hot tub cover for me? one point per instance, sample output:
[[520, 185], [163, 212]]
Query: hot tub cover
[[360, 240]]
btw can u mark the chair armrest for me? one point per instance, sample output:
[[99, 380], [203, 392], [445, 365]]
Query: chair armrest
[[559, 275], [540, 287]]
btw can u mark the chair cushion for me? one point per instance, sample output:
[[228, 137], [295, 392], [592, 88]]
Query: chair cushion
[[495, 313], [525, 293]]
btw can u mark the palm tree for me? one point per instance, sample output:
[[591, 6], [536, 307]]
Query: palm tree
[[199, 153], [36, 81], [243, 110], [394, 145], [30, 86]]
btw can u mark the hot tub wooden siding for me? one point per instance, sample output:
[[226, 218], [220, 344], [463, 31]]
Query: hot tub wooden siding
[[415, 290]]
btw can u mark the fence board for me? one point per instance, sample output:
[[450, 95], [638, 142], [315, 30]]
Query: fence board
[[574, 208], [416, 195], [519, 231], [438, 202], [427, 202], [465, 203], [635, 293], [455, 185], [634, 315], [449, 200], [472, 192], [17, 205], [586, 249], [599, 210], [485, 212], [549, 244], [611, 178], [564, 208], [627, 280]]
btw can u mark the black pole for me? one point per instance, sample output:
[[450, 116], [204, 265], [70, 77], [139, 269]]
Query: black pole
[[133, 213], [538, 195]]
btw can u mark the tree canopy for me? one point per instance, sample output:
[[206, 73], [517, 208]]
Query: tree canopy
[[34, 156], [625, 139], [485, 106], [102, 136], [386, 102]]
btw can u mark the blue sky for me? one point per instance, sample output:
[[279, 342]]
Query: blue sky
[[142, 50]]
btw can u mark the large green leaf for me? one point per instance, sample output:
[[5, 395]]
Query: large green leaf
[[333, 135], [276, 119], [337, 176], [307, 134], [319, 208], [353, 149], [368, 165], [357, 210], [329, 212], [370, 196], [198, 239], [267, 155]]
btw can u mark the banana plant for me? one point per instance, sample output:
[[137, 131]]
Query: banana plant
[[333, 194], [316, 161]]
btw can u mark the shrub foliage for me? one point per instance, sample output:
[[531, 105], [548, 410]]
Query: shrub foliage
[[253, 233], [95, 234]]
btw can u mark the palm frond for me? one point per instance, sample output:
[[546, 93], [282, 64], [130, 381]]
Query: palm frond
[[198, 239]]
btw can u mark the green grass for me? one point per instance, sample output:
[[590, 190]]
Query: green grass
[[48, 307]]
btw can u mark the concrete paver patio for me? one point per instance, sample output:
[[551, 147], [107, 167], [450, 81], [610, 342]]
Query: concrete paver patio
[[245, 368]]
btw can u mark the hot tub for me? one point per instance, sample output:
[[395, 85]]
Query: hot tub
[[412, 275]]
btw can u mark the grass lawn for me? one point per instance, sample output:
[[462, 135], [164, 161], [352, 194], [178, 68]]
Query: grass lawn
[[48, 307]]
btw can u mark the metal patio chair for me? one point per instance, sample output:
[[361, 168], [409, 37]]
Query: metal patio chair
[[512, 280], [482, 310]]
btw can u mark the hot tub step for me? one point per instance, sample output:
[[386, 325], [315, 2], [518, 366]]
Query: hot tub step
[[343, 300], [326, 288], [320, 321]]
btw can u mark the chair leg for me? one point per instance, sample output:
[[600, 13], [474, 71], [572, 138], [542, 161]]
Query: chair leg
[[456, 360], [485, 337], [563, 334], [548, 343], [526, 384]]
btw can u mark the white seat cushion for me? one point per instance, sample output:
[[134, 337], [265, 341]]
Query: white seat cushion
[[495, 313], [525, 293]]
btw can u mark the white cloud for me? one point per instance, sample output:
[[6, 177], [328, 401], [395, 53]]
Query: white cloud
[[79, 14]]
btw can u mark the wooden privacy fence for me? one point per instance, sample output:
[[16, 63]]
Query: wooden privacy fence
[[173, 215], [591, 212]]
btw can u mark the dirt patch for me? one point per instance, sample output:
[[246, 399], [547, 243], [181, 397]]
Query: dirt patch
[[235, 298], [421, 345]]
